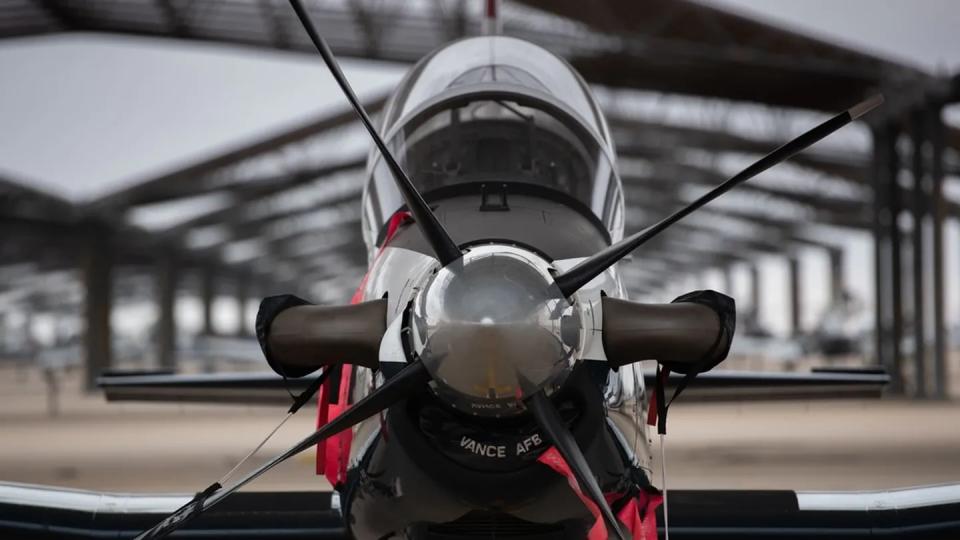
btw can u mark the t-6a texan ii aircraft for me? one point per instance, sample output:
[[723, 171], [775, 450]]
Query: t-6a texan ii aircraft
[[485, 379]]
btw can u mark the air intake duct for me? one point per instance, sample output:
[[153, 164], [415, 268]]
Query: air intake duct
[[298, 338], [692, 333]]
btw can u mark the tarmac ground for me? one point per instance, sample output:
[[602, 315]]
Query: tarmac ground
[[133, 447]]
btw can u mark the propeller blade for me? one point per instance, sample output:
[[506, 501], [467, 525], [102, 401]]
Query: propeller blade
[[393, 390], [573, 279], [556, 431], [445, 248]]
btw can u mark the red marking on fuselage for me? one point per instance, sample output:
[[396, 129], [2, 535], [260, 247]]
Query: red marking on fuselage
[[639, 515], [333, 454]]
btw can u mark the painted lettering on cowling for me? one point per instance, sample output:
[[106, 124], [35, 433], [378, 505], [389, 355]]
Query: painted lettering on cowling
[[499, 451], [480, 449], [525, 445]]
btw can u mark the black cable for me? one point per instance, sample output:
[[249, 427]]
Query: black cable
[[309, 391]]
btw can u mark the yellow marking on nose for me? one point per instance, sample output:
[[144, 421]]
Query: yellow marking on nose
[[498, 390]]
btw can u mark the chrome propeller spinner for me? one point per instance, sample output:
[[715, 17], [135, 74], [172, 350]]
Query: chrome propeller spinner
[[492, 328]]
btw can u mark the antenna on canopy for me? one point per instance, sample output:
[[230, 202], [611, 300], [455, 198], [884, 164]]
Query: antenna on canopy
[[492, 25]]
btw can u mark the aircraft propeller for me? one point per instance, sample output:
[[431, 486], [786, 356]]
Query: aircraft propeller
[[443, 246], [415, 375], [556, 431], [395, 389], [573, 279]]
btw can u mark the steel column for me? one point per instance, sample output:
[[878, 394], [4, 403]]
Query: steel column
[[934, 130], [167, 276], [881, 250], [896, 282], [896, 262], [918, 212], [243, 296], [755, 295], [837, 288], [98, 301], [887, 260], [795, 322], [207, 294]]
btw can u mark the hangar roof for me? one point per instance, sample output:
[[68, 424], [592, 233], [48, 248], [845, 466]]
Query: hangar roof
[[266, 208]]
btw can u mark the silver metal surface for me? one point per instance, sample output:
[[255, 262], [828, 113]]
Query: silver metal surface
[[915, 497], [493, 328], [391, 346], [89, 501], [591, 309], [397, 273]]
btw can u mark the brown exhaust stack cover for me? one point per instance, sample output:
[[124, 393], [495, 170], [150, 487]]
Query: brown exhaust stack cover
[[682, 333], [312, 336]]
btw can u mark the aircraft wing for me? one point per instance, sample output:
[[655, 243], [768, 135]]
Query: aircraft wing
[[821, 383], [268, 388], [246, 388], [923, 512]]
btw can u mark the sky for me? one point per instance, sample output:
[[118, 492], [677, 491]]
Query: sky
[[918, 32], [84, 114]]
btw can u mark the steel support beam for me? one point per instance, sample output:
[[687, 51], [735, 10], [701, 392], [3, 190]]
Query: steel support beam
[[793, 264], [167, 276], [935, 134], [174, 19], [61, 11], [274, 23], [642, 138], [655, 199], [609, 46], [207, 294], [839, 211], [882, 253], [249, 194], [918, 253], [896, 280], [887, 263], [243, 296], [98, 301], [195, 178], [755, 285], [837, 287]]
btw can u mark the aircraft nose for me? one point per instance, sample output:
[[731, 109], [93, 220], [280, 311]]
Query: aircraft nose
[[492, 329]]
